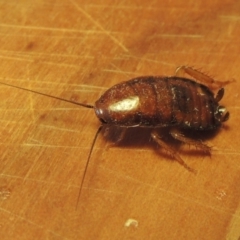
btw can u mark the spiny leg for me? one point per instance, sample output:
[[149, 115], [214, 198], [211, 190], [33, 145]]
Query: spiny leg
[[172, 151], [120, 136], [179, 136], [201, 77]]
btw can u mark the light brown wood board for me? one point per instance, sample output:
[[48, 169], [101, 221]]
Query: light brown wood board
[[76, 50]]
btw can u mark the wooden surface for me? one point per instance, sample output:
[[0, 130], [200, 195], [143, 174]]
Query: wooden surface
[[76, 50]]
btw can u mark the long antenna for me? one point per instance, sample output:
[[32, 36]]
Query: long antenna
[[87, 163], [48, 95], [76, 103]]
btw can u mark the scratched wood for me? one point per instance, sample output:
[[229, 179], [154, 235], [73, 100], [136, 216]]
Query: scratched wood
[[75, 50]]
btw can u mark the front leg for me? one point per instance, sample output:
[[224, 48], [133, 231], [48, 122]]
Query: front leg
[[115, 134]]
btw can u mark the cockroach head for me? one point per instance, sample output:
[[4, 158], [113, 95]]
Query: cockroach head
[[101, 115]]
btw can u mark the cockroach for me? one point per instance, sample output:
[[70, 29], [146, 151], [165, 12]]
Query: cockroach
[[158, 102]]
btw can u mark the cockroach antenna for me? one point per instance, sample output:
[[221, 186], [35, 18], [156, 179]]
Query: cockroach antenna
[[73, 102], [87, 163], [48, 95]]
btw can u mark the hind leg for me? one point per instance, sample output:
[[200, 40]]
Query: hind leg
[[169, 149], [201, 77], [198, 144]]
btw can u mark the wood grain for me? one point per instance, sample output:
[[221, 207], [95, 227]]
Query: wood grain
[[76, 50]]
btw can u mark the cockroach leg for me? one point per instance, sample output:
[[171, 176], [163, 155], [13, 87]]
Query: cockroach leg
[[172, 151], [201, 77], [122, 135], [119, 138], [175, 133]]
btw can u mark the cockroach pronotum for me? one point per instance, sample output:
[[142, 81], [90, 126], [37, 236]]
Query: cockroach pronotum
[[158, 102]]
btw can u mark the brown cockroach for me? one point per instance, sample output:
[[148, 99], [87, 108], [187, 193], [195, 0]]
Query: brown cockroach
[[154, 101]]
